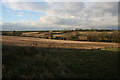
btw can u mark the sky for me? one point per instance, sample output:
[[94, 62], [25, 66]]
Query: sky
[[54, 15]]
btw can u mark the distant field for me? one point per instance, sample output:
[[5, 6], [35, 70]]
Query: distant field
[[39, 42], [73, 35]]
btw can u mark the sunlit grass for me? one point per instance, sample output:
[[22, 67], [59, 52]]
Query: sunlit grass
[[113, 49]]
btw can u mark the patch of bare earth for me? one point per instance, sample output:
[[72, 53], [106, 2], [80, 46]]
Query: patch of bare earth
[[38, 42]]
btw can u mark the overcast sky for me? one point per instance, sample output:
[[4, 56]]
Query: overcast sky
[[58, 15]]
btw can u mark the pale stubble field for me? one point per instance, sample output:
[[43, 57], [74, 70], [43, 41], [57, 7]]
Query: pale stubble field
[[39, 42]]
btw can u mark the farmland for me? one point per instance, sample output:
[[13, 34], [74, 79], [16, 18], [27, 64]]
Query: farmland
[[50, 39], [34, 57], [38, 42], [73, 35]]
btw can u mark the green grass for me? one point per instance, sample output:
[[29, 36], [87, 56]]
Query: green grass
[[113, 49], [31, 62]]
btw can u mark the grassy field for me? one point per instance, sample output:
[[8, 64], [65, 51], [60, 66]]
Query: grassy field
[[37, 62], [30, 57], [39, 42], [73, 35]]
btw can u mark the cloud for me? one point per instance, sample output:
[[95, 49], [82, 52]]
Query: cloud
[[60, 0], [32, 26], [70, 14], [79, 14], [22, 0], [8, 10], [20, 14], [29, 6]]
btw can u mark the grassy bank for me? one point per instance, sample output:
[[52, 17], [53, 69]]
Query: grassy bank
[[31, 62]]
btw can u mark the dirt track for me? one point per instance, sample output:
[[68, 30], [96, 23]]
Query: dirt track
[[38, 42]]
